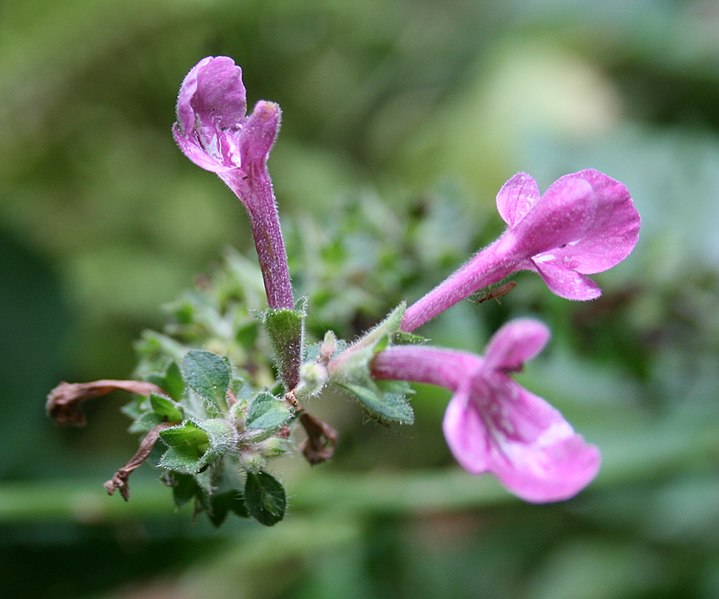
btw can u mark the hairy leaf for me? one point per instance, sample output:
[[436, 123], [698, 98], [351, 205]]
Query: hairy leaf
[[265, 498], [267, 412], [385, 406], [208, 375]]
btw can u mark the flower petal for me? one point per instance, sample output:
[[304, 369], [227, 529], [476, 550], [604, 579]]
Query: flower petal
[[465, 433], [259, 132], [563, 215], [517, 197], [219, 98], [210, 112], [185, 111], [190, 147], [516, 342], [535, 452], [614, 229], [564, 281]]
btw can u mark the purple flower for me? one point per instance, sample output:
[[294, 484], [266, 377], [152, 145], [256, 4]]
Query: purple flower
[[584, 223], [213, 131], [492, 424], [212, 128]]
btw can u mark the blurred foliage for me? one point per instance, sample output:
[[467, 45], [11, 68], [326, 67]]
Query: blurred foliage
[[401, 120]]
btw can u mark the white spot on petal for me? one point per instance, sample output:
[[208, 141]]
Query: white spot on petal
[[553, 434]]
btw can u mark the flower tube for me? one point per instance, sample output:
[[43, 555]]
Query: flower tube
[[214, 131]]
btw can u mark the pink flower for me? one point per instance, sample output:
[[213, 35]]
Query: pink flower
[[492, 424], [584, 223], [212, 128], [213, 131]]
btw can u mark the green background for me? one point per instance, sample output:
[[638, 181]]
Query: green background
[[409, 116]]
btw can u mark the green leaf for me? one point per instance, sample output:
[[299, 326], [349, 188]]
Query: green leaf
[[165, 408], [153, 345], [353, 364], [381, 344], [404, 338], [145, 422], [220, 433], [187, 448], [135, 408], [265, 498], [402, 388], [174, 383], [386, 407], [223, 503], [267, 412], [170, 381], [184, 487], [208, 375], [351, 371]]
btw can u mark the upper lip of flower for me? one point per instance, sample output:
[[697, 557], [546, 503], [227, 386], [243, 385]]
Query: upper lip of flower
[[212, 90], [211, 113], [585, 220]]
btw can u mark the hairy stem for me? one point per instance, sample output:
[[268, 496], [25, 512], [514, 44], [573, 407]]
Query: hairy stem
[[489, 266], [253, 187], [261, 206]]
